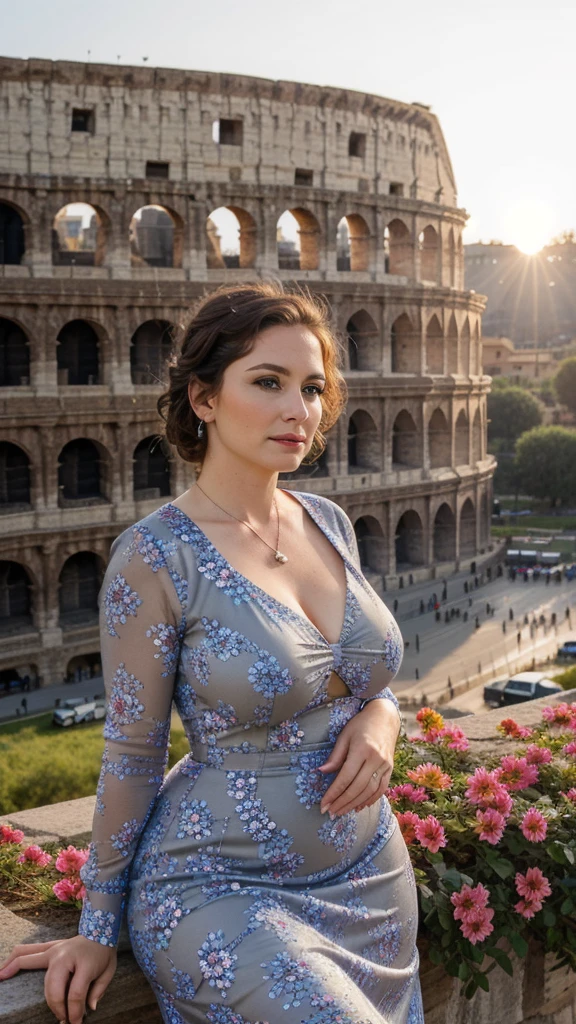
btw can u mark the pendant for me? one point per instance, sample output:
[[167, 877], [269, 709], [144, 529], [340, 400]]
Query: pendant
[[280, 557]]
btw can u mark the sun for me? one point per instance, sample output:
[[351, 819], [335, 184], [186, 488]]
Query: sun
[[529, 225]]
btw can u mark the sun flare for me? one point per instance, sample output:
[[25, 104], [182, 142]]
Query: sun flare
[[529, 225]]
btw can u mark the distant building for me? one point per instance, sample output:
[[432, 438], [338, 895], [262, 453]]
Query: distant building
[[501, 359]]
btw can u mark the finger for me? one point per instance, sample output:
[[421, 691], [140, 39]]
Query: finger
[[100, 985], [361, 784], [337, 756], [32, 962], [345, 776], [27, 947], [55, 985], [76, 999], [380, 792]]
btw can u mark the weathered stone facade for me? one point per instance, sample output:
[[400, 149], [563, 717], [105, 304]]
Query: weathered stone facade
[[83, 331]]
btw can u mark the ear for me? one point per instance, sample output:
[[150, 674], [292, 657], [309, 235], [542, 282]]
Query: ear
[[202, 408]]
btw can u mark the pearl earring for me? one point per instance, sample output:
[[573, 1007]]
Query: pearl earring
[[200, 430]]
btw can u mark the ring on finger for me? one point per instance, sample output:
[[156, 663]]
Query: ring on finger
[[375, 775]]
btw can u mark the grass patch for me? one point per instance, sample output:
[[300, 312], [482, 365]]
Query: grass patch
[[44, 764]]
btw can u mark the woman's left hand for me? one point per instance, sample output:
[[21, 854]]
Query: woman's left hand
[[365, 745]]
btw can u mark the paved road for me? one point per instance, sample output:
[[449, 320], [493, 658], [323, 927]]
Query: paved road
[[44, 698]]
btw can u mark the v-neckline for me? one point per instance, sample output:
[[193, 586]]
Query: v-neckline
[[270, 597]]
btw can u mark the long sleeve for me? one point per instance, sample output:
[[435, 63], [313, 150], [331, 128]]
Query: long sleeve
[[141, 629]]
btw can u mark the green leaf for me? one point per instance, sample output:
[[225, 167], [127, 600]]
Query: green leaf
[[519, 945], [549, 916], [446, 919], [567, 905], [435, 955], [556, 852], [453, 876], [470, 988], [464, 971], [477, 954], [503, 961], [483, 981], [569, 854]]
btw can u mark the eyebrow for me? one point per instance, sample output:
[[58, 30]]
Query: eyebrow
[[282, 369]]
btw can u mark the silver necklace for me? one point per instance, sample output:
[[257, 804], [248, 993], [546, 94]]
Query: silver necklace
[[277, 554]]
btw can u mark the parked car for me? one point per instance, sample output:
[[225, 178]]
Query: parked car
[[567, 652], [519, 688], [78, 709]]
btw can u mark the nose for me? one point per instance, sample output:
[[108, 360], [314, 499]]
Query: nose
[[296, 407]]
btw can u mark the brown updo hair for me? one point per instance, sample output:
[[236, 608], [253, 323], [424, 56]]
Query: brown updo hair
[[222, 328]]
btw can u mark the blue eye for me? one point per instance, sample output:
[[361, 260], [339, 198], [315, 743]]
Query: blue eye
[[264, 381]]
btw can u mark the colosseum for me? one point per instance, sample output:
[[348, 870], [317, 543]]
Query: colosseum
[[125, 192]]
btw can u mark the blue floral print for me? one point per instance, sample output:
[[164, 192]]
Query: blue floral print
[[292, 979], [217, 962], [119, 601], [341, 833], [167, 639], [123, 839], [196, 820], [124, 708], [267, 677]]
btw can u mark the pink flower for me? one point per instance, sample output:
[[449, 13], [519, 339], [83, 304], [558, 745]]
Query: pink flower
[[429, 833], [563, 715], [10, 835], [414, 794], [527, 908], [407, 822], [36, 854], [570, 749], [457, 740], [69, 889], [509, 727], [491, 825], [534, 825], [70, 860], [533, 885], [485, 790], [538, 755], [570, 795], [430, 775], [515, 772], [476, 925], [469, 899]]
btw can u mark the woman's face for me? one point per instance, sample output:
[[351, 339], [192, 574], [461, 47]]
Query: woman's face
[[273, 391]]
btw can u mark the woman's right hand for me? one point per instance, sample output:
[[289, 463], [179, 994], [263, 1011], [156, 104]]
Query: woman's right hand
[[88, 966]]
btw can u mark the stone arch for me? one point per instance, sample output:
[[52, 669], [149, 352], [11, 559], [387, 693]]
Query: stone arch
[[17, 673], [452, 345], [16, 590], [238, 227], [14, 355], [156, 237], [428, 244], [461, 440], [363, 443], [405, 346], [79, 582], [78, 354], [298, 238], [484, 519], [477, 437], [409, 541], [84, 666], [14, 478], [444, 535], [79, 236], [151, 463], [406, 442], [150, 348], [371, 544], [12, 236], [83, 474], [465, 348], [319, 467], [476, 354], [439, 445], [363, 346], [451, 254], [353, 243], [398, 249], [467, 529], [435, 346]]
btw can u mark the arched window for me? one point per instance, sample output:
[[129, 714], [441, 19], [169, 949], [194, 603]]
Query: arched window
[[409, 541], [477, 437], [14, 355], [353, 243], [428, 243], [363, 447], [150, 349], [78, 236], [406, 443], [11, 235], [298, 239], [155, 238], [467, 529], [435, 346], [231, 238], [15, 598], [461, 451], [452, 345], [151, 469], [398, 242], [372, 545], [452, 258], [317, 468], [79, 583], [79, 473], [14, 477], [439, 440], [362, 334], [444, 534], [77, 354], [465, 349], [405, 346]]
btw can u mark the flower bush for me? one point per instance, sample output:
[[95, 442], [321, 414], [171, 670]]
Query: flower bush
[[493, 844], [28, 873]]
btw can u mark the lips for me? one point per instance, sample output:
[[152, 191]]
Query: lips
[[289, 441]]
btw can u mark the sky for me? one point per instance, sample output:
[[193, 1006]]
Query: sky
[[500, 76]]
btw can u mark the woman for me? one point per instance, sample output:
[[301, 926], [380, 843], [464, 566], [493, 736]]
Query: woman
[[265, 877]]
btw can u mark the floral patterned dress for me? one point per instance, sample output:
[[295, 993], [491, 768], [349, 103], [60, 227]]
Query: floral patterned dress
[[244, 904]]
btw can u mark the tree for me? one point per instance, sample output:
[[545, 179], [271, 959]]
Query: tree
[[565, 383], [546, 463], [512, 411]]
